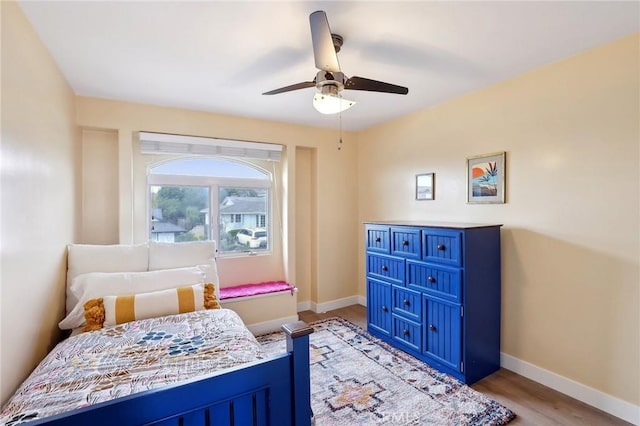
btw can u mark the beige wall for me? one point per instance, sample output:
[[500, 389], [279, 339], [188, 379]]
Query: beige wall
[[570, 241], [306, 225], [99, 187], [337, 197], [334, 173], [40, 197]]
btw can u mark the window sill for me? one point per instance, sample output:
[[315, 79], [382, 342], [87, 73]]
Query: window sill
[[244, 254]]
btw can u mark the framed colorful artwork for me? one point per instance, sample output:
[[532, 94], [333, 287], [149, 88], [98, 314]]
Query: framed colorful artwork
[[425, 187], [486, 178]]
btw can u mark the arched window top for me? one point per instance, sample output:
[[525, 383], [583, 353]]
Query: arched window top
[[209, 167]]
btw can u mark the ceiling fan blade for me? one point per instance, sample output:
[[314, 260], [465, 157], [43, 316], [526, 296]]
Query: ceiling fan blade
[[297, 86], [323, 50], [361, 83]]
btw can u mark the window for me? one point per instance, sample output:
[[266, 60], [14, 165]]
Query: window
[[211, 198]]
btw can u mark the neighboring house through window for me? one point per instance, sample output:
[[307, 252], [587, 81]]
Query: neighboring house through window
[[238, 211], [164, 232]]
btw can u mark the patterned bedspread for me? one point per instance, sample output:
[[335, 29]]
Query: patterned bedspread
[[117, 361]]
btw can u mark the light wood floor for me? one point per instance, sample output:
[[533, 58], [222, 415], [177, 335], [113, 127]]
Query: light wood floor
[[534, 404]]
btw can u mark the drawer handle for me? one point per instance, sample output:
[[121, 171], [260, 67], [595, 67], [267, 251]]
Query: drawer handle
[[405, 302], [385, 268], [405, 332], [378, 239], [431, 279], [385, 309], [441, 247], [432, 327], [405, 243]]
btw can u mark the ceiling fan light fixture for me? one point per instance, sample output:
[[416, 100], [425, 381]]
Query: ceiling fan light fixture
[[329, 102]]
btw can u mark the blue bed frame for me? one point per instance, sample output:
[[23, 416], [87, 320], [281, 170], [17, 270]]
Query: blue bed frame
[[273, 392]]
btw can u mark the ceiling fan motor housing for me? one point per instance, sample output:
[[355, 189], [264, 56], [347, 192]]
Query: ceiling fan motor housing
[[334, 79]]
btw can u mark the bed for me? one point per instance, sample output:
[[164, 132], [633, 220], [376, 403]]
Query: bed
[[150, 344]]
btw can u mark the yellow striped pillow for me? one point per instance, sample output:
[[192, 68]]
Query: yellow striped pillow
[[112, 310]]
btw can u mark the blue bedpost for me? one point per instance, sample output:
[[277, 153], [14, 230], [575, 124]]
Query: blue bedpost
[[298, 345]]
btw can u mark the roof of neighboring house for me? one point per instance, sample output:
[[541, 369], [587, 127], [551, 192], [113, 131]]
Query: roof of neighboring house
[[243, 205], [163, 227], [156, 214]]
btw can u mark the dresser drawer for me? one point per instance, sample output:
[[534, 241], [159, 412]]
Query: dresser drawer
[[442, 246], [378, 238], [379, 306], [405, 242], [439, 281], [387, 267], [407, 332], [407, 303], [443, 332]]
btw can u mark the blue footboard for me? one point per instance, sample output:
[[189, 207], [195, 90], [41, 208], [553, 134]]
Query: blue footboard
[[270, 392]]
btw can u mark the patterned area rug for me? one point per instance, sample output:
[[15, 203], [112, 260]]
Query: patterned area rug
[[356, 379]]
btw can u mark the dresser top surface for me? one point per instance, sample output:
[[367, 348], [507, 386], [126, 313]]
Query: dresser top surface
[[432, 224]]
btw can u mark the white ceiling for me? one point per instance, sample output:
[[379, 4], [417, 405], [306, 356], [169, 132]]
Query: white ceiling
[[220, 56]]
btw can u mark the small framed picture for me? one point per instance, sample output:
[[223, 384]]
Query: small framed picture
[[486, 178], [425, 186]]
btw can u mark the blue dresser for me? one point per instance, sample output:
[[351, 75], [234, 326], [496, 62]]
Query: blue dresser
[[433, 290]]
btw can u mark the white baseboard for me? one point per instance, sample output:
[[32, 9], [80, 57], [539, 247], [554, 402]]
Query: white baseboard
[[304, 306], [607, 403], [271, 325], [330, 306], [334, 304]]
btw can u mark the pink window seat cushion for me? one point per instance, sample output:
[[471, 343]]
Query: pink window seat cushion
[[245, 290]]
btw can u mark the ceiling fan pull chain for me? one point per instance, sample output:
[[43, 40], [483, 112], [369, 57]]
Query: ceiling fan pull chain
[[340, 140]]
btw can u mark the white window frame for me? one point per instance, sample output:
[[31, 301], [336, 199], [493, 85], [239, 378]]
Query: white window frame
[[214, 184]]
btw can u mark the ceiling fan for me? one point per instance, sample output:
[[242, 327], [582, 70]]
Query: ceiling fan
[[330, 80]]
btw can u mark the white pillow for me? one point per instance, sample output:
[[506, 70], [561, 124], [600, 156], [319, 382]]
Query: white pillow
[[85, 258], [178, 255], [210, 271], [99, 284]]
